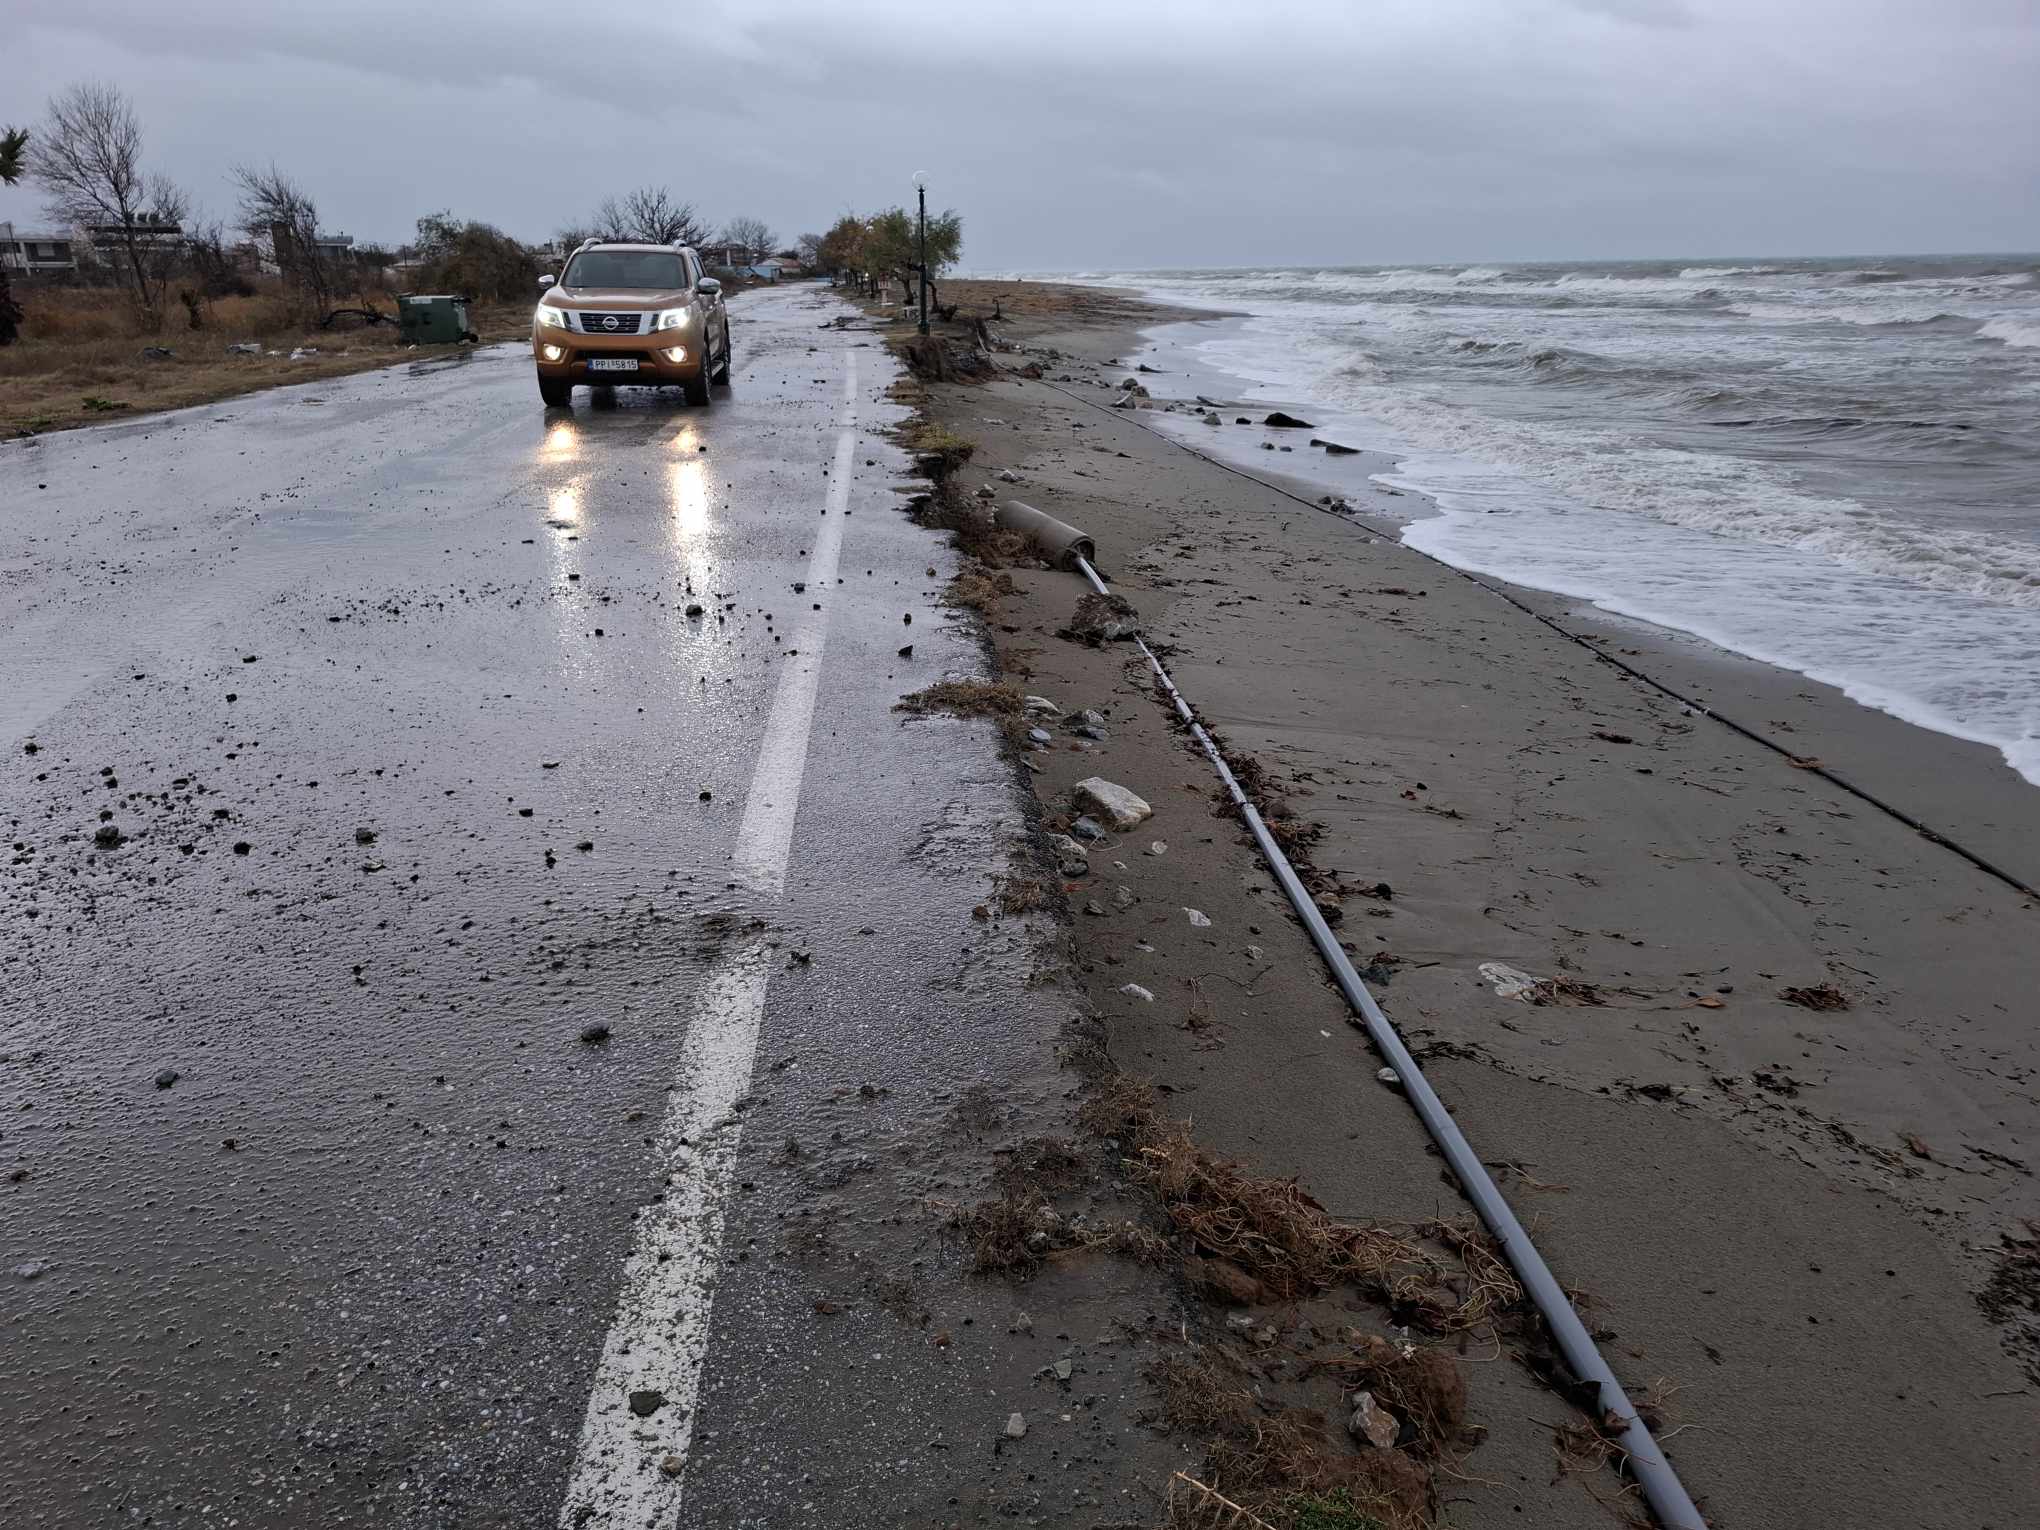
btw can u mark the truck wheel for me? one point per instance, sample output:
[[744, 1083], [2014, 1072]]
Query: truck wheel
[[697, 387], [557, 395]]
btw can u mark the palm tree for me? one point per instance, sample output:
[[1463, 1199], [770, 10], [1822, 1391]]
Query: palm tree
[[13, 149]]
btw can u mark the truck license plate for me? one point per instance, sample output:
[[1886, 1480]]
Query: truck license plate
[[613, 364]]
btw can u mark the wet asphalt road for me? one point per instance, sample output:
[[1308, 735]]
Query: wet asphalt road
[[418, 767]]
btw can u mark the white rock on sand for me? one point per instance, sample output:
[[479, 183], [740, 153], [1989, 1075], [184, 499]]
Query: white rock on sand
[[1373, 1423], [1115, 804]]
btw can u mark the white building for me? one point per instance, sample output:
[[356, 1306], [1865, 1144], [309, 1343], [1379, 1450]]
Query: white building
[[33, 251]]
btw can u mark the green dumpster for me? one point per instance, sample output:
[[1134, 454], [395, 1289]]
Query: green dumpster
[[433, 320]]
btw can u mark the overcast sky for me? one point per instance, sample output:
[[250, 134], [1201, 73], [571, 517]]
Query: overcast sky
[[1095, 134]]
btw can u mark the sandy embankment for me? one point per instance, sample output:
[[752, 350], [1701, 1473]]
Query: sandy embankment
[[1784, 1213]]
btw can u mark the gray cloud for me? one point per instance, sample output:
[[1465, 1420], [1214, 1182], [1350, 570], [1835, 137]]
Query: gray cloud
[[1076, 135]]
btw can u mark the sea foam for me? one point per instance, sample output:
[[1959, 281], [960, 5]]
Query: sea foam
[[1870, 520]]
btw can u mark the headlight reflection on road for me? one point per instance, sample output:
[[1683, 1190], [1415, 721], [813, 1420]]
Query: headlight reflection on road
[[564, 524], [562, 443], [688, 489], [691, 532]]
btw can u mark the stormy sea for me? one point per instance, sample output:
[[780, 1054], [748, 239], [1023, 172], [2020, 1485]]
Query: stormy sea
[[1829, 465]]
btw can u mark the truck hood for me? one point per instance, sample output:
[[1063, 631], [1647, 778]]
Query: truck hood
[[622, 299]]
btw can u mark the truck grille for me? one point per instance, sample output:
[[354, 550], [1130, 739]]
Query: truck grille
[[609, 323]]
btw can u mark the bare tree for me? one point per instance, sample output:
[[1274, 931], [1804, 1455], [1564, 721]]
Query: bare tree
[[649, 215], [570, 237], [275, 207], [13, 146], [377, 258], [210, 255], [88, 159], [460, 255], [809, 247], [751, 235]]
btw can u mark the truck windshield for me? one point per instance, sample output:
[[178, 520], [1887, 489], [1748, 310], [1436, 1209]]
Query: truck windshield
[[649, 270]]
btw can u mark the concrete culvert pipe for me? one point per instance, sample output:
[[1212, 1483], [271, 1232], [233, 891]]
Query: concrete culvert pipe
[[1060, 543]]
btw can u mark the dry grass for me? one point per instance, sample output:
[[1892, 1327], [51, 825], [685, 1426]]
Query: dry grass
[[1591, 1448], [978, 590], [1019, 1228], [1270, 1464], [1193, 1505], [2011, 1296], [1267, 1239], [1565, 992], [1295, 836], [1286, 1464], [1825, 999], [1022, 895], [82, 344], [1423, 1387], [975, 533], [965, 698], [939, 450]]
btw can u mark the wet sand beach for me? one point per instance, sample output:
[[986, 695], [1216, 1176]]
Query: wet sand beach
[[1751, 1055]]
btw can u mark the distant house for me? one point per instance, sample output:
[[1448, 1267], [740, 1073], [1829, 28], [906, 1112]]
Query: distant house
[[34, 252], [147, 236], [332, 249], [776, 267], [723, 256]]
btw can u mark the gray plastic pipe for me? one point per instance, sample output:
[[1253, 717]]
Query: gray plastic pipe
[[1062, 544], [1646, 1462]]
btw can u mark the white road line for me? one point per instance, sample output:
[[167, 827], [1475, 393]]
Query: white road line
[[629, 1470], [765, 838]]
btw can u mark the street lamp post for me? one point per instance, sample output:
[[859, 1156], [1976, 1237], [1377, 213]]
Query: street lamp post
[[921, 186]]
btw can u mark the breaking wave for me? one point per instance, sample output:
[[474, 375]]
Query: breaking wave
[[1811, 462], [2023, 333]]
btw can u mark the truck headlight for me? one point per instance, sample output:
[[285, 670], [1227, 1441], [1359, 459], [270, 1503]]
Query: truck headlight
[[674, 318], [548, 315]]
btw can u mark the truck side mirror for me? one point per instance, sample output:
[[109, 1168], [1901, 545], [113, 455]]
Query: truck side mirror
[[544, 282], [708, 286]]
